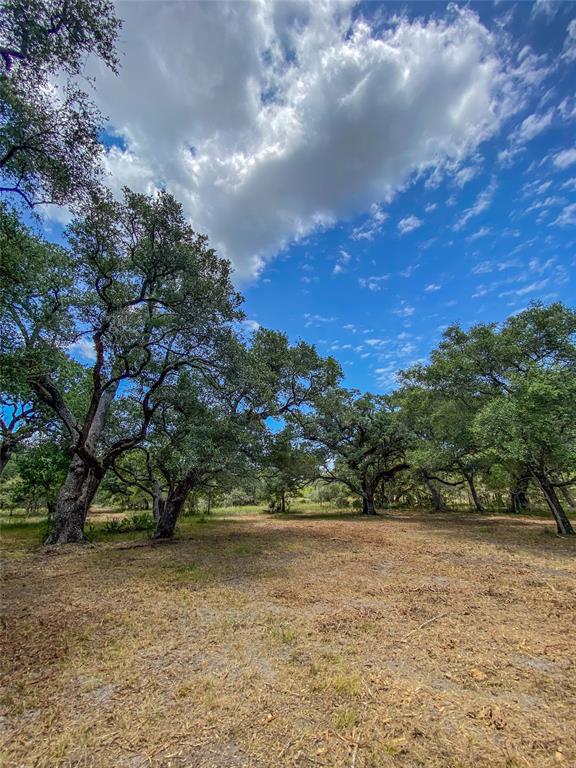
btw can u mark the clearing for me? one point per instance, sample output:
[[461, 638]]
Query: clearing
[[264, 641]]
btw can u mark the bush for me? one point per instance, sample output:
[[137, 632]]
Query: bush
[[138, 522]]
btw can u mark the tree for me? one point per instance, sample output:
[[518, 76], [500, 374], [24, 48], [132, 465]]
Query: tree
[[41, 469], [493, 365], [286, 467], [49, 145], [364, 436], [445, 445], [147, 293], [192, 441], [210, 425], [532, 424]]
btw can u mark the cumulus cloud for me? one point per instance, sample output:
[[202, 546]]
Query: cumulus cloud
[[272, 120]]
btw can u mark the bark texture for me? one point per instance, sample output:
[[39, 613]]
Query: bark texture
[[563, 525]]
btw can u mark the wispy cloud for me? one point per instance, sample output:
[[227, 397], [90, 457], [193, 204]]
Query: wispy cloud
[[482, 203], [409, 224], [565, 158], [373, 283]]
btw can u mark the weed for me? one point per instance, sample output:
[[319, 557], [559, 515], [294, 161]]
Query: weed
[[345, 718]]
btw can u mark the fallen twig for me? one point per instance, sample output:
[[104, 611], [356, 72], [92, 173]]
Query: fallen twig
[[354, 753], [424, 624]]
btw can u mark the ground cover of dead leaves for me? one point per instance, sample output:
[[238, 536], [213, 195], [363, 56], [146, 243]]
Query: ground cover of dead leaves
[[408, 640]]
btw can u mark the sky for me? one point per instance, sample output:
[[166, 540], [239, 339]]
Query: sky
[[374, 171]]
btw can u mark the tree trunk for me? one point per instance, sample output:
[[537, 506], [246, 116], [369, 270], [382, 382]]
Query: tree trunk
[[157, 502], [73, 503], [5, 454], [437, 500], [568, 496], [563, 526], [282, 502], [473, 492], [170, 511], [368, 500], [519, 501]]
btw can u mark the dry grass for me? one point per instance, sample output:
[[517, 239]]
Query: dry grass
[[408, 640]]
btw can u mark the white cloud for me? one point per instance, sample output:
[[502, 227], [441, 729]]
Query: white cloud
[[373, 283], [84, 349], [567, 217], [465, 175], [547, 8], [431, 287], [372, 226], [565, 158], [316, 320], [532, 126], [531, 288], [251, 325], [483, 201], [408, 224], [404, 310], [482, 232], [344, 259], [272, 120], [569, 53]]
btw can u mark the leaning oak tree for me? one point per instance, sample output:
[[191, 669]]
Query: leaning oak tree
[[145, 297]]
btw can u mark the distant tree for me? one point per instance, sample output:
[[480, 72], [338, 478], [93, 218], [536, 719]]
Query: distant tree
[[364, 436], [445, 445], [533, 425], [49, 145], [510, 369], [286, 467]]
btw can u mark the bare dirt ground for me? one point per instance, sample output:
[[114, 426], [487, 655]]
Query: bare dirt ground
[[408, 640]]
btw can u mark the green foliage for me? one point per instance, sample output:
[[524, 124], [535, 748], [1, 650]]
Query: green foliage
[[137, 522], [49, 146]]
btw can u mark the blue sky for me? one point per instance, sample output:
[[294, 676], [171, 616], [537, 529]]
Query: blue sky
[[375, 172]]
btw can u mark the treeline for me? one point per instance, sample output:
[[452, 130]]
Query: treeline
[[173, 396]]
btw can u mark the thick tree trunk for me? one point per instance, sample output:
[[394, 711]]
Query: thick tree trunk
[[473, 492], [6, 450], [169, 513], [282, 502], [568, 496], [437, 500], [73, 503], [368, 507], [563, 525]]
